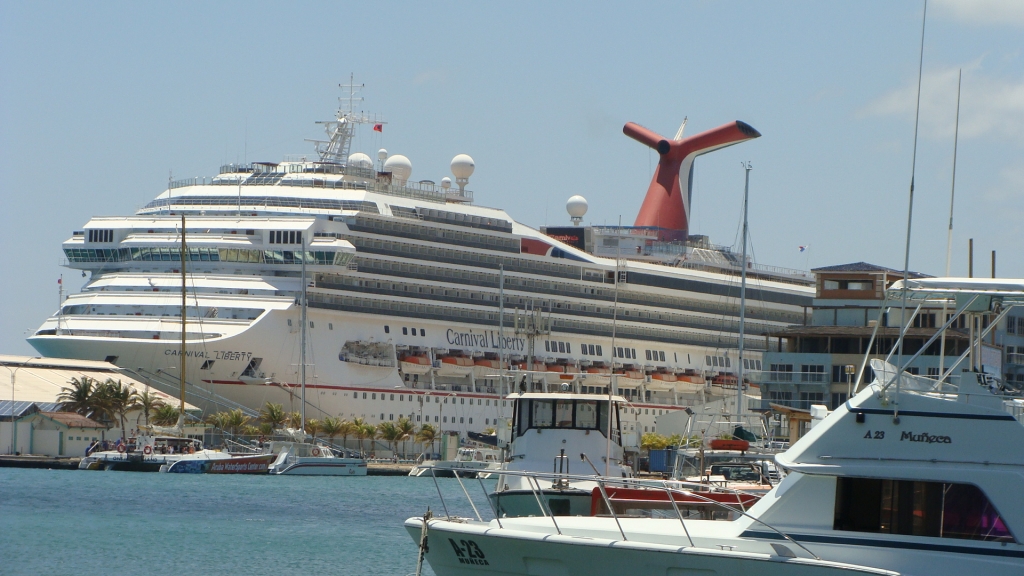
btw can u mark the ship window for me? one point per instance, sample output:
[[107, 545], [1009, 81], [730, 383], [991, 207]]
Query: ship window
[[728, 363], [461, 419], [387, 329], [392, 397], [405, 331], [936, 509], [541, 413], [561, 346], [547, 346], [374, 397], [208, 364], [599, 352], [661, 355], [714, 360], [330, 325], [423, 332]]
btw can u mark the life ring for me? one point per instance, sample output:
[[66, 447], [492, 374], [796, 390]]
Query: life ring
[[315, 451], [147, 450], [121, 448]]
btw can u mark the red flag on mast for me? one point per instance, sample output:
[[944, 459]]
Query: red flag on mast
[[378, 128]]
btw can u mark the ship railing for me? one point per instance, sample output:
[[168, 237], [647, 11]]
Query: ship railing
[[677, 492]]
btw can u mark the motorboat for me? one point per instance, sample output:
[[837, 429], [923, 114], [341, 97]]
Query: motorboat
[[929, 483], [308, 459], [469, 462], [569, 435], [912, 476]]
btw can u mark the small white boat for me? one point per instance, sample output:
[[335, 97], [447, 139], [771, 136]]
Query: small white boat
[[469, 463], [147, 454], [303, 458]]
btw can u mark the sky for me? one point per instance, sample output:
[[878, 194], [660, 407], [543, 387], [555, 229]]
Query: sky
[[101, 103]]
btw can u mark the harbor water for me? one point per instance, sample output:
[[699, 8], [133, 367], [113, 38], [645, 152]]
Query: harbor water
[[98, 523]]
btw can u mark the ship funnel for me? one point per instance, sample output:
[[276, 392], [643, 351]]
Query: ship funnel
[[667, 204]]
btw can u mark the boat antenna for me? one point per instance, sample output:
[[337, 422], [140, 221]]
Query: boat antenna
[[743, 290], [910, 214], [181, 355], [949, 234]]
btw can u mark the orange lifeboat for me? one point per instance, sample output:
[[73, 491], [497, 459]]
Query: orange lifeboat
[[411, 364]]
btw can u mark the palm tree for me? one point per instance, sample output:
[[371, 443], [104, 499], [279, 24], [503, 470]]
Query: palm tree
[[347, 429], [295, 420], [389, 433], [119, 399], [250, 430], [274, 415], [313, 426], [236, 420], [218, 420], [366, 432], [266, 428], [331, 427], [166, 415], [80, 396], [407, 430], [149, 402], [427, 435]]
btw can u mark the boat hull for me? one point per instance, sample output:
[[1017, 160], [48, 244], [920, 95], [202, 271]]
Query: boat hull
[[461, 548]]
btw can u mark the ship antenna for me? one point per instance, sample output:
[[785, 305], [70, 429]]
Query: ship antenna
[[949, 235]]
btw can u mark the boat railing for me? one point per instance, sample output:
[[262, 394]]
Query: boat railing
[[673, 489]]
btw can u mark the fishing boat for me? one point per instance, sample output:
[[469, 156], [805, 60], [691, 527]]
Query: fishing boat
[[912, 476]]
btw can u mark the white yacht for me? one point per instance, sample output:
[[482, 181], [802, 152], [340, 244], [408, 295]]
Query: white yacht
[[911, 476], [307, 459], [418, 298]]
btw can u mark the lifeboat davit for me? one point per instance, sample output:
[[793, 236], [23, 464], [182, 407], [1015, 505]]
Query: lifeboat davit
[[414, 364]]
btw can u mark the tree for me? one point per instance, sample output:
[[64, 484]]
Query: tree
[[118, 399], [653, 441], [274, 415], [407, 430], [295, 420], [313, 426], [166, 415], [235, 420], [427, 435], [250, 430], [80, 396], [266, 428], [389, 433], [366, 432], [331, 427], [149, 402], [347, 429]]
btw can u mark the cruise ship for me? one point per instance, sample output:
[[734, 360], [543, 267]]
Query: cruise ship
[[419, 302]]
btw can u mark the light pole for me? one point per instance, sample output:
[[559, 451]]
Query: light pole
[[14, 424], [848, 370]]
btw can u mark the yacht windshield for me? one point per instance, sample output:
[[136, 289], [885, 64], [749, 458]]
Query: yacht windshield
[[564, 413]]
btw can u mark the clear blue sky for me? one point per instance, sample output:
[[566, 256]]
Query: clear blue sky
[[101, 101]]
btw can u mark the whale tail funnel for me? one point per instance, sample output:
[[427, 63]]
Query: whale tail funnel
[[667, 204]]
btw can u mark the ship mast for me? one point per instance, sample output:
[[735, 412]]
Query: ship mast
[[302, 339], [743, 293], [181, 355]]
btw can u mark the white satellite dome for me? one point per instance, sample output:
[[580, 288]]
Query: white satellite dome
[[576, 207], [382, 154], [463, 167], [360, 160], [446, 182], [399, 166]]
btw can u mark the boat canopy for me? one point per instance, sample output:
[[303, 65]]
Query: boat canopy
[[1009, 291]]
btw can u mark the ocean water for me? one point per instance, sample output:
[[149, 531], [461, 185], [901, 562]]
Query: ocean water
[[87, 523]]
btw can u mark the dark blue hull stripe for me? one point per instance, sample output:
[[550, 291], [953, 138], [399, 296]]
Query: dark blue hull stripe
[[931, 414], [804, 538]]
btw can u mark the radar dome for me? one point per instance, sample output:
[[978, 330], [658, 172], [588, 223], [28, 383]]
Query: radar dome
[[577, 208], [462, 167], [446, 182], [360, 160], [382, 154], [399, 166]]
